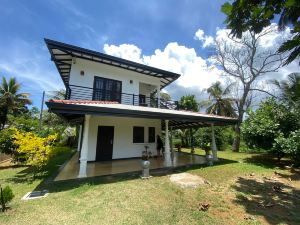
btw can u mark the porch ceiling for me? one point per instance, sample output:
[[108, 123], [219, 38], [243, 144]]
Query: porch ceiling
[[75, 111]]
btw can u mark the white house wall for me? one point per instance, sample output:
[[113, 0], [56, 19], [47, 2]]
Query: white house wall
[[123, 146], [92, 69]]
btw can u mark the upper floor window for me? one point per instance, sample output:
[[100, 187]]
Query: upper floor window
[[138, 135], [107, 89]]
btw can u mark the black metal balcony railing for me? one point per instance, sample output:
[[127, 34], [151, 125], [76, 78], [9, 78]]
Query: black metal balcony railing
[[75, 92]]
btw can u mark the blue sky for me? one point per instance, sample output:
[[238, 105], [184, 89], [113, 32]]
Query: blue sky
[[152, 28]]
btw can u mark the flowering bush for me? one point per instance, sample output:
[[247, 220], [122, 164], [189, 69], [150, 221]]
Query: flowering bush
[[35, 150]]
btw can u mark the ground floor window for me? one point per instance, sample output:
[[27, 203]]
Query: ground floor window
[[138, 134], [151, 134]]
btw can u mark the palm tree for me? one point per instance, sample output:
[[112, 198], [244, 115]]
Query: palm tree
[[218, 103], [10, 99], [290, 89]]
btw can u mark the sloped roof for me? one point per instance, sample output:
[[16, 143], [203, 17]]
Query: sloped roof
[[177, 118], [62, 54]]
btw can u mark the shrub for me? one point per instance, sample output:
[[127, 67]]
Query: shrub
[[289, 145], [203, 138], [264, 125], [6, 195], [36, 150], [7, 145]]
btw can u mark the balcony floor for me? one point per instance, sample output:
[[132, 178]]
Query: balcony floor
[[71, 168]]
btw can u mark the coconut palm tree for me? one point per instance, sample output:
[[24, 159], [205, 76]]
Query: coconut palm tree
[[218, 103], [10, 99], [290, 89]]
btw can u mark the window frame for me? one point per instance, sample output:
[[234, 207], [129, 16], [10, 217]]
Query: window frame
[[153, 137], [141, 136]]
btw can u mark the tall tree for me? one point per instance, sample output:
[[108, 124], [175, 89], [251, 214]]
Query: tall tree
[[11, 100], [219, 102], [244, 62], [290, 90], [244, 15], [189, 103]]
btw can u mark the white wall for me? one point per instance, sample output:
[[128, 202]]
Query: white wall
[[92, 69], [123, 146]]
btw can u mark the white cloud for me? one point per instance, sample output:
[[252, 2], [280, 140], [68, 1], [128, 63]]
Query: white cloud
[[207, 41], [194, 70], [125, 51]]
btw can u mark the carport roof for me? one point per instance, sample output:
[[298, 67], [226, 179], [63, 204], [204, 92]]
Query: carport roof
[[76, 109]]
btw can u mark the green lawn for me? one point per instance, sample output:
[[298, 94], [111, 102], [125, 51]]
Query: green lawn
[[234, 196]]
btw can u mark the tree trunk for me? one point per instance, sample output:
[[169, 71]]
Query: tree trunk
[[237, 139]]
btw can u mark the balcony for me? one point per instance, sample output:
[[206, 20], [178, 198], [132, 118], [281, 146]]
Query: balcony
[[75, 92]]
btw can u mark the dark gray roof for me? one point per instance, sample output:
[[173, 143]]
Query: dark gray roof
[[62, 55]]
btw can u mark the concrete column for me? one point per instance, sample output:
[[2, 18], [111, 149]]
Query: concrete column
[[167, 154], [171, 139], [79, 138], [213, 144], [158, 96], [167, 142], [85, 147]]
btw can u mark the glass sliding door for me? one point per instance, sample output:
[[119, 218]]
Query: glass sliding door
[[107, 89]]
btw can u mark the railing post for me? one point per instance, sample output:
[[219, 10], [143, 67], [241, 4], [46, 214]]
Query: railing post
[[132, 99]]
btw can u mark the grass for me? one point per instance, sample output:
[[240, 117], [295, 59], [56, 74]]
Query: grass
[[234, 196]]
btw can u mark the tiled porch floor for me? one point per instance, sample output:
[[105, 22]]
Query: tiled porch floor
[[71, 169]]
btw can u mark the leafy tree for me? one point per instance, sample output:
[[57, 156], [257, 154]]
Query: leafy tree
[[11, 100], [244, 62], [7, 145], [290, 90], [219, 103], [244, 15], [189, 103], [165, 97], [288, 145], [271, 119]]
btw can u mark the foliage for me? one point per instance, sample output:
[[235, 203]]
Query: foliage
[[189, 103], [165, 96], [11, 101], [219, 103], [6, 195], [7, 145], [35, 150], [203, 138], [265, 124], [288, 145], [290, 90], [244, 15]]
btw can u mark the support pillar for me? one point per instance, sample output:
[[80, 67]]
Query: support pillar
[[79, 138], [158, 96], [167, 153], [171, 140], [85, 147], [213, 144]]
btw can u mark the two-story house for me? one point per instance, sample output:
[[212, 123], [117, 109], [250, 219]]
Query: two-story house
[[117, 104]]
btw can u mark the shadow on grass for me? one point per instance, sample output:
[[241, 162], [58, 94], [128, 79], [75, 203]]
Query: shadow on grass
[[275, 201], [267, 161]]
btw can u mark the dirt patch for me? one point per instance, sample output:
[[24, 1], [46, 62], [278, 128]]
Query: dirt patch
[[187, 180]]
